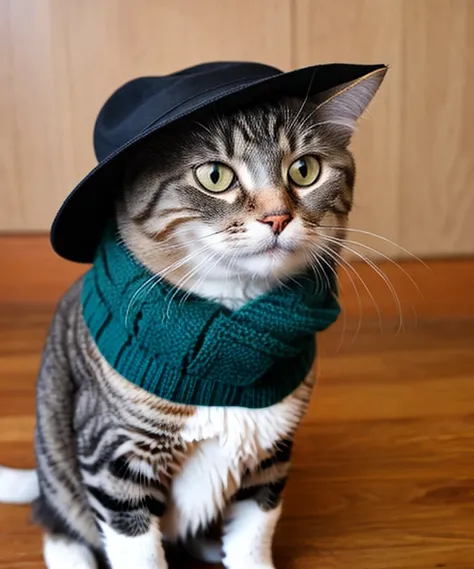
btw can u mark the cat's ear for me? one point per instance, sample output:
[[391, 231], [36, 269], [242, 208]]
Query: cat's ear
[[344, 105]]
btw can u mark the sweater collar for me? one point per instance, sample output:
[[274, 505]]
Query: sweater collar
[[133, 314]]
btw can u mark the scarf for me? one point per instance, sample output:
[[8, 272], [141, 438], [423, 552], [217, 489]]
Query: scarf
[[191, 350]]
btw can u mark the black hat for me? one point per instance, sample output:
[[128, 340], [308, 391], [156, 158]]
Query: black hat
[[147, 104]]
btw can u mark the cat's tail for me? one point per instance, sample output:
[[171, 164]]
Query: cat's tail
[[18, 486]]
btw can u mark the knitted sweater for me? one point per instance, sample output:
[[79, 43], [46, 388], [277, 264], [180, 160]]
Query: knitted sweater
[[190, 350]]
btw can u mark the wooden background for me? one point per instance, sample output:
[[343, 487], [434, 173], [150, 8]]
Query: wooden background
[[60, 60]]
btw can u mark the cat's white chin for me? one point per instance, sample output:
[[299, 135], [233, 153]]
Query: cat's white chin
[[276, 262]]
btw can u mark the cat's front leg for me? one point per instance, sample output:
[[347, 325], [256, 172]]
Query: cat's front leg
[[141, 551], [128, 515], [248, 535]]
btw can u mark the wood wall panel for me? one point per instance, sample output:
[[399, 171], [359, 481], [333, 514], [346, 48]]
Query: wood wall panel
[[437, 154], [61, 59], [30, 135], [363, 31]]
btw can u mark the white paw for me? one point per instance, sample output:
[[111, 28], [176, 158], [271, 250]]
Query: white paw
[[61, 553]]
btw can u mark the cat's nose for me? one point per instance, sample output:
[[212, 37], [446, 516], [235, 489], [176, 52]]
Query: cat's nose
[[277, 222]]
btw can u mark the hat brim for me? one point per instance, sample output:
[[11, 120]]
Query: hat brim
[[79, 224]]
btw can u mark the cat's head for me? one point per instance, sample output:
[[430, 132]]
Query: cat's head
[[250, 198]]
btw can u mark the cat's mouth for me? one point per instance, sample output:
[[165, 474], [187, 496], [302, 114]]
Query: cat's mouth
[[273, 249]]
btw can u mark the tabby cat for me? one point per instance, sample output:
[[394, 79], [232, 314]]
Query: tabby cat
[[225, 209]]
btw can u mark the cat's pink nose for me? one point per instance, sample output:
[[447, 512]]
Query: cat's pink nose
[[277, 222]]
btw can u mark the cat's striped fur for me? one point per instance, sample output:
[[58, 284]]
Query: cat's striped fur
[[121, 471]]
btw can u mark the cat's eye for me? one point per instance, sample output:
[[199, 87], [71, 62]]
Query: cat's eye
[[305, 171], [215, 177]]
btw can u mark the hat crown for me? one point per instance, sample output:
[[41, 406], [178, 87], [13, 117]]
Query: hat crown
[[139, 103]]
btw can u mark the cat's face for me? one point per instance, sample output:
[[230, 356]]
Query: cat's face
[[255, 196]]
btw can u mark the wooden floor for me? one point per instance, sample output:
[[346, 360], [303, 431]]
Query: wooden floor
[[383, 474]]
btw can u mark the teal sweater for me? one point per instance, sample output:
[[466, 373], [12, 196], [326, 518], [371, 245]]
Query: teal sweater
[[195, 351]]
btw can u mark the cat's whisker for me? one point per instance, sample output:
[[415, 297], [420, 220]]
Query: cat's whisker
[[387, 281], [135, 295], [239, 277], [379, 272], [305, 100], [361, 280], [155, 279], [280, 282], [186, 243], [183, 261], [377, 236], [384, 256], [346, 124], [318, 260], [180, 284], [204, 127], [232, 263], [203, 276], [228, 268], [344, 316], [187, 258], [176, 246], [333, 255], [306, 120], [321, 259], [317, 274]]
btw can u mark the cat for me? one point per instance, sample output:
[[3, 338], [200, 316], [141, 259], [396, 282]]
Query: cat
[[226, 209]]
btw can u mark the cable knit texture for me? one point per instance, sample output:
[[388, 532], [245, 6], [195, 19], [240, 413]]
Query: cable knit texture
[[190, 350]]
